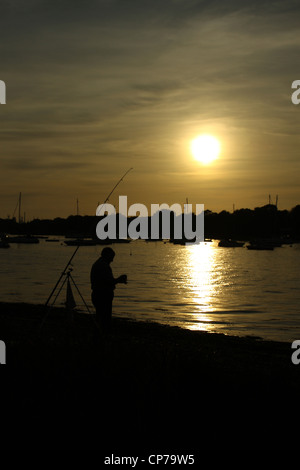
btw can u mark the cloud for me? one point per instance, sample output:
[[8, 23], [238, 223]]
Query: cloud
[[109, 84]]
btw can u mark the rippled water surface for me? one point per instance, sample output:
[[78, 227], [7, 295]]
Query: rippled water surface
[[205, 287]]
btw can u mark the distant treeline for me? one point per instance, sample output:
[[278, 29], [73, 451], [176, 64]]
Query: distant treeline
[[242, 224]]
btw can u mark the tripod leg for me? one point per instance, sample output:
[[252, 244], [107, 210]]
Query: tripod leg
[[99, 335], [61, 287], [62, 274], [48, 311], [76, 287]]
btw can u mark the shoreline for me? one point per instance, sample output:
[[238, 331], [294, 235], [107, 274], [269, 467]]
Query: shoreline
[[148, 385], [34, 316], [27, 309]]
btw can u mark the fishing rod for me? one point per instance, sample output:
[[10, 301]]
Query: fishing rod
[[77, 248], [121, 179]]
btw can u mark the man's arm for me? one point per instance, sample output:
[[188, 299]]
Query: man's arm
[[121, 279]]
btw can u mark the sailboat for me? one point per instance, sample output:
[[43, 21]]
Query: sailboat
[[21, 238]]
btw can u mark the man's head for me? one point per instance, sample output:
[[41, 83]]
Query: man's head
[[108, 254]]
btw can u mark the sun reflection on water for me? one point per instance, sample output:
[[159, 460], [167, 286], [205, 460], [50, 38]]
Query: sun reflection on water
[[201, 277]]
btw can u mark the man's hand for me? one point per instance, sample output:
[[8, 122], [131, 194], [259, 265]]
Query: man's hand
[[122, 279]]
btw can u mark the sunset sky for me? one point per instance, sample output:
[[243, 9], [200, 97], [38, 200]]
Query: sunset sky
[[97, 87]]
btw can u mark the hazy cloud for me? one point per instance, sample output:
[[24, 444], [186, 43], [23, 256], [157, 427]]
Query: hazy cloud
[[95, 87]]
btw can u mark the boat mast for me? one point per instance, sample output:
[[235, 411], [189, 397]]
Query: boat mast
[[20, 197]]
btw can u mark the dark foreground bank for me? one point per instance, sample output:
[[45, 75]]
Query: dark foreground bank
[[147, 387]]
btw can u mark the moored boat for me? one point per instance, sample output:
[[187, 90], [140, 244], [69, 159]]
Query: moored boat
[[260, 244], [23, 239], [81, 242], [228, 243]]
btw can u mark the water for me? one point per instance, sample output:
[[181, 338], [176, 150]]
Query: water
[[200, 287]]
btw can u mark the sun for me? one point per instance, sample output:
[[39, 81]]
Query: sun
[[205, 148]]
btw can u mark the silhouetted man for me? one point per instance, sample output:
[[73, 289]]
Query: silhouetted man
[[103, 284]]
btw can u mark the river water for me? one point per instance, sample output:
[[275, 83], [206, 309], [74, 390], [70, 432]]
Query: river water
[[201, 287]]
